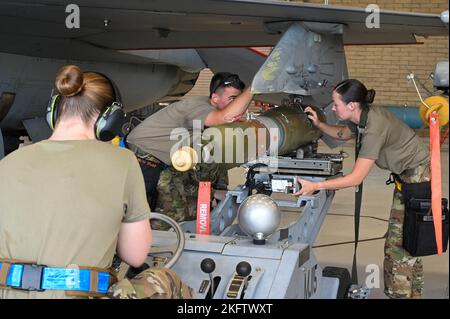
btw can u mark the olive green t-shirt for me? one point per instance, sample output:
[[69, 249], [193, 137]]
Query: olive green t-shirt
[[63, 202], [390, 142], [153, 134]]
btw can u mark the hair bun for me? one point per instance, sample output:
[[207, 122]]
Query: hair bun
[[370, 96], [69, 80]]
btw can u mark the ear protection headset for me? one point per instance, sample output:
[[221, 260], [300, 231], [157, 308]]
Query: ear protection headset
[[109, 122]]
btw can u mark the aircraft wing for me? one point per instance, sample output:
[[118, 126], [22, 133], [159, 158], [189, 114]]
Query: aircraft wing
[[38, 28]]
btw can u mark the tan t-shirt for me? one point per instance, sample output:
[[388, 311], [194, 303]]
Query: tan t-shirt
[[390, 142], [153, 134], [62, 203]]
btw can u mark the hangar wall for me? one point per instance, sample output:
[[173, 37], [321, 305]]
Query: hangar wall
[[384, 68]]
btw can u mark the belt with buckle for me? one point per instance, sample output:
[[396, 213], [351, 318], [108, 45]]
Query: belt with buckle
[[34, 277], [399, 179]]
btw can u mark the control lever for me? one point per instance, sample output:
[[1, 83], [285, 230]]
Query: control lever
[[238, 283], [208, 266], [243, 269]]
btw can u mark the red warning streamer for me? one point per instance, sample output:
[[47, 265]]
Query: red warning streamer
[[203, 208], [436, 180]]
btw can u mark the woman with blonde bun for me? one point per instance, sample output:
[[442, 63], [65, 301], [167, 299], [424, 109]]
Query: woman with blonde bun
[[390, 144], [72, 201]]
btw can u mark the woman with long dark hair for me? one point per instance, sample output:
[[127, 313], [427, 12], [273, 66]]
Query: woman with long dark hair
[[390, 144]]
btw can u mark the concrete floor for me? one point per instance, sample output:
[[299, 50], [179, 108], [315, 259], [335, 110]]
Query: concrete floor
[[338, 227]]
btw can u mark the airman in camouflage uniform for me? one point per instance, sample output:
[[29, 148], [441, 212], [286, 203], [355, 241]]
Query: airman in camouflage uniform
[[403, 273], [158, 135], [387, 142], [152, 283], [178, 191]]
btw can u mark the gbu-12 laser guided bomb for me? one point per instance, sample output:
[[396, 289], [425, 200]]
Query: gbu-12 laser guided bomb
[[279, 131]]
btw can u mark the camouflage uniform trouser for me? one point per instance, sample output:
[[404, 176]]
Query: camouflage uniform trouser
[[403, 273], [177, 191], [152, 283]]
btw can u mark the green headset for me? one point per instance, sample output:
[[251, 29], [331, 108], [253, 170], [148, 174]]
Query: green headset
[[109, 122]]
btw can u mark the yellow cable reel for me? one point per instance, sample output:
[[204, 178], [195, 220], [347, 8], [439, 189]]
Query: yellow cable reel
[[436, 103]]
